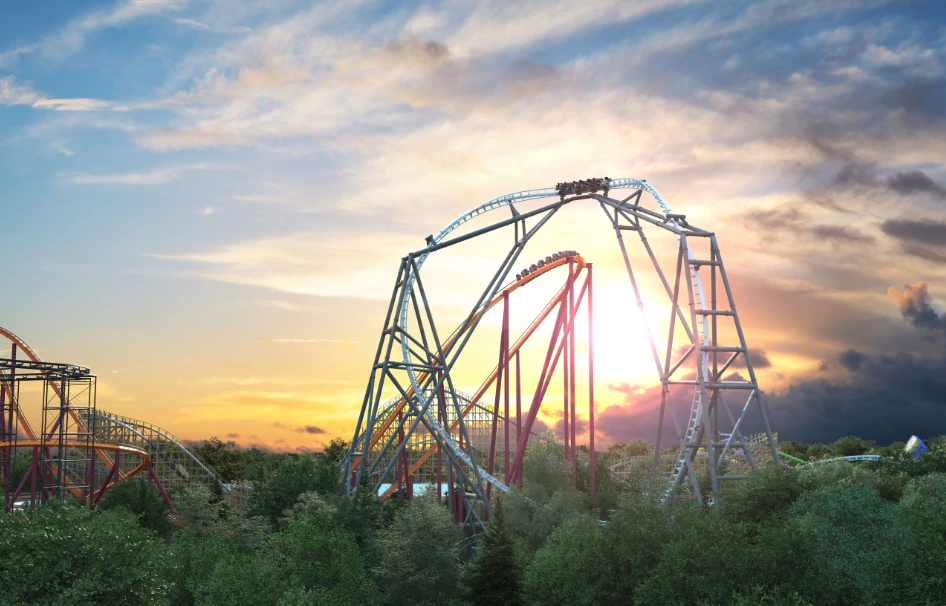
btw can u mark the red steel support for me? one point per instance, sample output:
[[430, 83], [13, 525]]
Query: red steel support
[[591, 384], [500, 371], [112, 473], [153, 479], [544, 381], [506, 386], [537, 397], [565, 387], [572, 309]]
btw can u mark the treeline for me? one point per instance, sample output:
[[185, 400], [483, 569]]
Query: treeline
[[863, 533]]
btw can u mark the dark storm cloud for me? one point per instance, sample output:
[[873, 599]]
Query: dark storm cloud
[[582, 427], [759, 358], [852, 359], [798, 223], [888, 398], [914, 181], [311, 429], [920, 96], [924, 231], [638, 414], [923, 252], [915, 306], [905, 183]]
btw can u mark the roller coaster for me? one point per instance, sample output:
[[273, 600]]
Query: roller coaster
[[81, 452], [413, 362]]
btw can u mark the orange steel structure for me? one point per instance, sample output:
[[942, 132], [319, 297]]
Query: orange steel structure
[[453, 438], [579, 265], [66, 441]]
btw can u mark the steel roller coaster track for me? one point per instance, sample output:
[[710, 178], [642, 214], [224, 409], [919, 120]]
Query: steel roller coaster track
[[411, 357]]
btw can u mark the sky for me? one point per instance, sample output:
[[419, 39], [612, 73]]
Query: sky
[[206, 201]]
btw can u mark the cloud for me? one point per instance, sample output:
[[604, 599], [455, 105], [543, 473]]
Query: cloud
[[914, 304], [852, 359], [329, 262], [72, 105], [905, 183], [303, 341], [207, 211], [157, 176], [914, 181], [924, 231], [886, 398], [760, 359], [60, 147], [307, 429], [798, 223], [279, 304], [72, 37], [13, 92]]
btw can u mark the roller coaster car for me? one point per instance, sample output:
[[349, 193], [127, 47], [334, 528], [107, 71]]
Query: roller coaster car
[[583, 186]]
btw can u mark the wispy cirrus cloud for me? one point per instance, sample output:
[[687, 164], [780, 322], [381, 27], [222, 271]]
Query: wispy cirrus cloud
[[157, 176], [303, 341], [72, 37]]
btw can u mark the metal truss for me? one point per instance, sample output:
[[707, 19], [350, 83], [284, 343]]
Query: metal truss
[[173, 463], [62, 459], [412, 358]]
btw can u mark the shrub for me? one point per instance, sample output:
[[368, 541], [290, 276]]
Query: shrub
[[65, 554], [294, 476], [144, 501]]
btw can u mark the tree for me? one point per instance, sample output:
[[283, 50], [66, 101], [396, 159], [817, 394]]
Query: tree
[[143, 500], [308, 473], [320, 559], [197, 509], [544, 470], [567, 566], [335, 450], [64, 554], [494, 576], [859, 543], [417, 561], [771, 492], [850, 446], [922, 508], [225, 458]]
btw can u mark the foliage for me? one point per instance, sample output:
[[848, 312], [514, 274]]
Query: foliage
[[320, 561], [621, 451], [197, 509], [777, 596], [923, 508], [836, 533], [65, 554], [850, 446], [544, 469], [494, 576], [226, 458], [769, 493], [859, 543], [583, 562], [335, 450], [417, 555], [142, 500], [307, 473]]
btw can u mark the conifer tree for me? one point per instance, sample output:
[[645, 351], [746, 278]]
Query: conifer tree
[[495, 576]]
